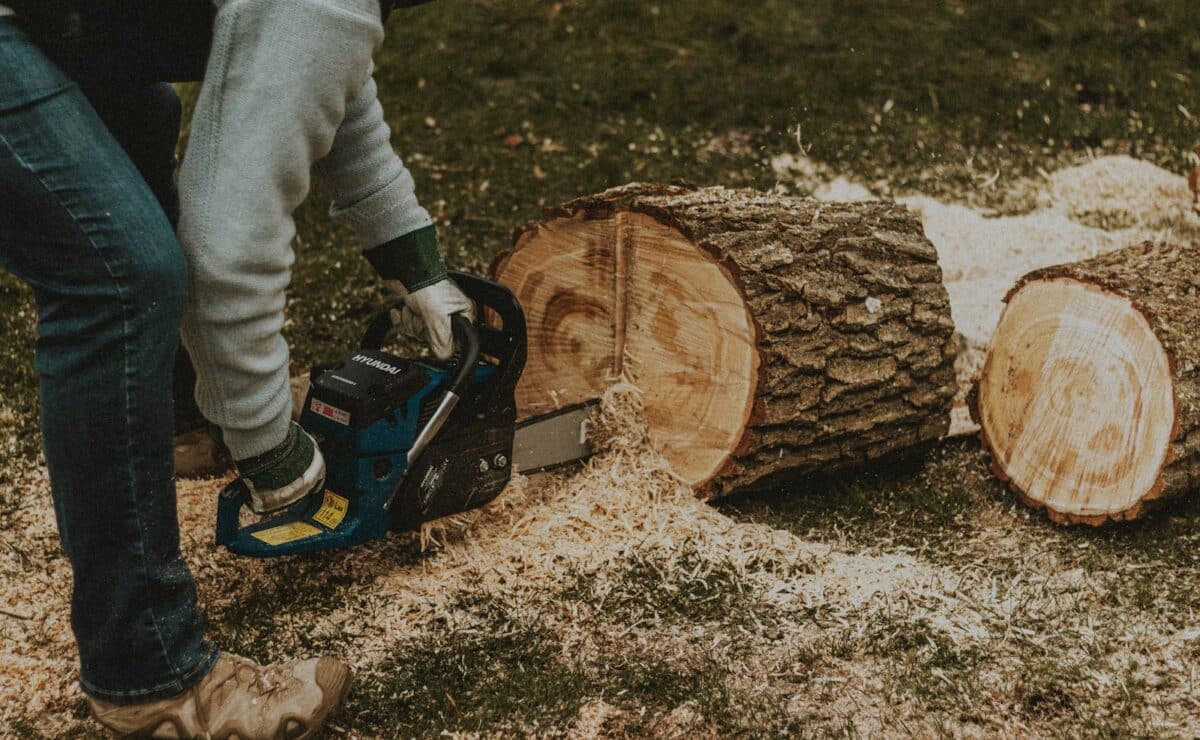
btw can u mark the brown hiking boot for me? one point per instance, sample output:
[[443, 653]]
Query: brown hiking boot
[[200, 453], [239, 699]]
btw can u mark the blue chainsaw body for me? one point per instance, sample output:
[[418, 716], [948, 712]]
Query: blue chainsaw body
[[367, 414]]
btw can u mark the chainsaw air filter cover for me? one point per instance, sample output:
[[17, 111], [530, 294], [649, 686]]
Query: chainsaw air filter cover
[[365, 388]]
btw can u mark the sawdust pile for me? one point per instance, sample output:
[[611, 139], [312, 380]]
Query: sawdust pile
[[1080, 212], [1121, 192], [38, 659]]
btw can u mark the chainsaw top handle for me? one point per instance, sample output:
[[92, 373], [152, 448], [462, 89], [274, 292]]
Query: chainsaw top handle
[[466, 340], [506, 343]]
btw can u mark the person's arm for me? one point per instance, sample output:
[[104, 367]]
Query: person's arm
[[374, 192]]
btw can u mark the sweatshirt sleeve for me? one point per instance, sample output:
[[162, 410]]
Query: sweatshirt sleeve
[[374, 192]]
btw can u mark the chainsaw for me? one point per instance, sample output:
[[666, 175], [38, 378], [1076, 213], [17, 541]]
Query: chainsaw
[[409, 441]]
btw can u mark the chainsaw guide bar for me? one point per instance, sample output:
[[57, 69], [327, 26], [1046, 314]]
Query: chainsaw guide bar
[[554, 439]]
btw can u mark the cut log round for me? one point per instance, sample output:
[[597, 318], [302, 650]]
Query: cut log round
[[770, 336], [1088, 398]]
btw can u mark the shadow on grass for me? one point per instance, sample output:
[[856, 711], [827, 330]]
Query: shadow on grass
[[513, 675], [937, 501]]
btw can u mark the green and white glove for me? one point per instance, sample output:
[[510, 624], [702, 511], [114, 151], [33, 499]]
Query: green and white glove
[[413, 270], [426, 313]]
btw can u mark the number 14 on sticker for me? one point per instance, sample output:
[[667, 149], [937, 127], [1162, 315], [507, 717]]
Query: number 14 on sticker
[[333, 510]]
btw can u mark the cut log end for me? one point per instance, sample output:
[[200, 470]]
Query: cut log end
[[771, 336], [1076, 402], [626, 295]]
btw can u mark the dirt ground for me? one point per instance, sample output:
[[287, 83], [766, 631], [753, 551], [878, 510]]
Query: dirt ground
[[915, 599]]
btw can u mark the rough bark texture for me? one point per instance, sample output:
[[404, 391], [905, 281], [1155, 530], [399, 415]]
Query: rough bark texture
[[1161, 281], [852, 323]]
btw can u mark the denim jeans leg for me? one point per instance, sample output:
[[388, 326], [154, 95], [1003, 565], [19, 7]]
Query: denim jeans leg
[[83, 229]]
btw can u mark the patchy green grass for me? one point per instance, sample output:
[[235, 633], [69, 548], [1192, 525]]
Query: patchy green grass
[[252, 627], [1078, 628], [503, 107], [642, 590], [934, 506], [514, 673], [511, 673], [907, 504]]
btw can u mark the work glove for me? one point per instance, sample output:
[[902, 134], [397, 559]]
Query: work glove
[[426, 313]]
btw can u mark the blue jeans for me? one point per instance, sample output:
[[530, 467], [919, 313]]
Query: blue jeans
[[80, 225]]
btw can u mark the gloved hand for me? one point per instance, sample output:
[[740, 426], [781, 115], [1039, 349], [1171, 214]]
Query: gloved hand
[[427, 311]]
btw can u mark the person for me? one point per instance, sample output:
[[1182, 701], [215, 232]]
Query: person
[[86, 152], [289, 91]]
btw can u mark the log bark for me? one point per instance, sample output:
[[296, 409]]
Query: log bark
[[1089, 400], [771, 336]]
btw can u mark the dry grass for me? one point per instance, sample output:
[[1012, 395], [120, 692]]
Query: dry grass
[[616, 604]]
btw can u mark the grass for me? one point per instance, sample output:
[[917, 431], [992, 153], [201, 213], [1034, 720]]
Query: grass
[[642, 590], [1074, 622], [503, 107], [512, 673], [901, 504]]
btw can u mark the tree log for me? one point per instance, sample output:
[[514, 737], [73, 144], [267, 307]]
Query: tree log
[[1089, 400], [770, 336]]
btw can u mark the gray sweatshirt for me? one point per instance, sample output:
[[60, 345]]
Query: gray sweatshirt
[[288, 92]]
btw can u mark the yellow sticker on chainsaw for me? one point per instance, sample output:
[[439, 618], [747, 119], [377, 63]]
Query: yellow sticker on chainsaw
[[333, 510], [289, 532]]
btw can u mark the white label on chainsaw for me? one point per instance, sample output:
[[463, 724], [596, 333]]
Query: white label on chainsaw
[[432, 482], [330, 412]]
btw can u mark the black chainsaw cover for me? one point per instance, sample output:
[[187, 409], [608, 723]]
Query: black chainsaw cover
[[460, 470]]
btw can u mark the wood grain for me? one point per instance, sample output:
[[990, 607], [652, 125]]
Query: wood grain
[[1089, 401], [571, 329], [600, 293], [771, 336], [1076, 399]]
